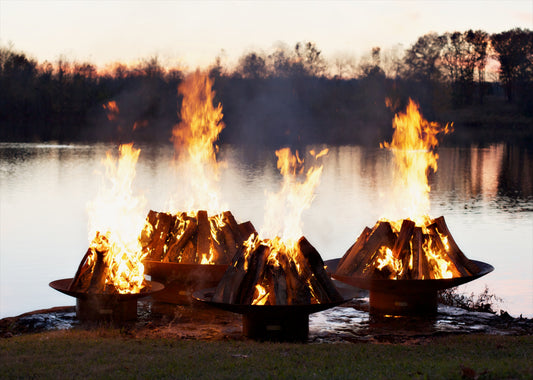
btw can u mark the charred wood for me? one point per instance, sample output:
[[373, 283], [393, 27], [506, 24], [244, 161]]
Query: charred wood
[[155, 234], [183, 231], [228, 287], [454, 248], [318, 271], [382, 235], [350, 258]]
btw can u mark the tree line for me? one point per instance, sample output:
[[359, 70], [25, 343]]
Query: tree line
[[288, 95]]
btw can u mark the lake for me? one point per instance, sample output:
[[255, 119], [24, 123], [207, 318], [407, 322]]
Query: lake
[[485, 194]]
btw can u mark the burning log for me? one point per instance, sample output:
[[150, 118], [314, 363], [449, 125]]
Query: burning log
[[257, 262], [98, 277], [193, 238], [278, 282], [316, 264], [413, 252], [183, 230], [82, 278], [228, 288], [348, 261], [454, 248], [95, 274], [92, 271], [153, 239], [381, 235], [203, 237], [267, 272], [247, 229], [298, 292]]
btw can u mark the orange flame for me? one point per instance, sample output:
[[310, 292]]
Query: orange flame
[[194, 141], [115, 217], [413, 145], [283, 210]]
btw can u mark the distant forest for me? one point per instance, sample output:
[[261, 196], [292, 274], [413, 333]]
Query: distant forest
[[290, 95]]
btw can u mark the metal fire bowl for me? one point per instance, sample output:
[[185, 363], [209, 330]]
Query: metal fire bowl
[[106, 307], [181, 280], [63, 285], [275, 322], [206, 295], [406, 286], [405, 297], [198, 273]]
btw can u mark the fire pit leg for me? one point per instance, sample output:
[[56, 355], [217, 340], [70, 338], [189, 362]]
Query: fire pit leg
[[284, 327], [424, 303]]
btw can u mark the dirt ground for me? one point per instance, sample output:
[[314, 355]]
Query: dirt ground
[[350, 322]]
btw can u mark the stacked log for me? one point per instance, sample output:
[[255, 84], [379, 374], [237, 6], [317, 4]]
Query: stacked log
[[411, 252], [93, 270], [261, 274], [191, 237]]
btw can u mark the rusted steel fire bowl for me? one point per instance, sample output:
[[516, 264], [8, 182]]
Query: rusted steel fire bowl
[[405, 297], [106, 307], [286, 323], [181, 280]]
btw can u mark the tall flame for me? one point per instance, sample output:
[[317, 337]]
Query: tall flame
[[194, 141], [115, 218], [283, 210], [413, 145]]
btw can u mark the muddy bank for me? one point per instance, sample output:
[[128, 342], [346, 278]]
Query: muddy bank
[[350, 322]]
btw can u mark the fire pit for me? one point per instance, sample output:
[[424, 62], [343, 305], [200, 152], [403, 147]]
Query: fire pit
[[105, 306], [287, 323], [181, 280], [275, 287], [188, 251], [405, 297], [404, 262]]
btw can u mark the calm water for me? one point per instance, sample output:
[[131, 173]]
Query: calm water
[[485, 194]]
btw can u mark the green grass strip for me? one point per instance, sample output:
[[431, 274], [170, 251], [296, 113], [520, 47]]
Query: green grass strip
[[99, 354]]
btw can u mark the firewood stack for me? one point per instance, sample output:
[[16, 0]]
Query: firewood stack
[[188, 238], [262, 275], [408, 250], [93, 270]]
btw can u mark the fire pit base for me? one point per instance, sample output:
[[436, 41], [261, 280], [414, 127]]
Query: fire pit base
[[403, 303], [405, 297], [282, 323], [105, 309], [275, 327]]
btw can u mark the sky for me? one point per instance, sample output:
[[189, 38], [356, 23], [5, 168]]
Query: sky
[[193, 33]]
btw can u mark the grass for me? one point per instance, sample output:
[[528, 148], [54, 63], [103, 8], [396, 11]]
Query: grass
[[110, 354]]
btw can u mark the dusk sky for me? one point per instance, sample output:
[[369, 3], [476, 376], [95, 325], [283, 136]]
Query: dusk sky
[[193, 33]]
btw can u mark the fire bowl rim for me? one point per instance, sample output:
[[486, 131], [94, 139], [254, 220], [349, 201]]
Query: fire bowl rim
[[205, 295], [410, 285], [63, 284]]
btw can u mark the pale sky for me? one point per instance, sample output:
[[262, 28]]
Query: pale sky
[[193, 33]]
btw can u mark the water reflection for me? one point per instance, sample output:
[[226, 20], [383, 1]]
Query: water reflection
[[486, 195]]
